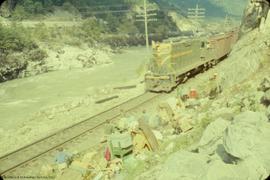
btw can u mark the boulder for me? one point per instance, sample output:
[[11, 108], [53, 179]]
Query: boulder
[[253, 169], [165, 112], [213, 136], [184, 165], [248, 137], [265, 85], [224, 113], [154, 121], [192, 103], [247, 169], [126, 123], [172, 102], [265, 100]]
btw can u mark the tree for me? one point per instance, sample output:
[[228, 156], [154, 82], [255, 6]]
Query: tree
[[12, 4], [127, 26], [38, 8], [19, 13], [29, 6]]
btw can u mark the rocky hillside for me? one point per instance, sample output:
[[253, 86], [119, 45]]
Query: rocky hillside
[[214, 7], [235, 143], [231, 6]]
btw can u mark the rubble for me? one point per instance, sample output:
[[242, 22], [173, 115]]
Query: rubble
[[127, 123], [70, 174], [154, 121], [63, 158], [165, 113], [82, 167], [114, 167], [87, 62], [47, 170], [87, 158], [182, 123]]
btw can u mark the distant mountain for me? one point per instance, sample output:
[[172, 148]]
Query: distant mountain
[[233, 7], [214, 8]]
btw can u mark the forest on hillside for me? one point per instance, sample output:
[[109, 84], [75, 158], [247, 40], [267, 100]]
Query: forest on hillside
[[105, 22], [112, 16]]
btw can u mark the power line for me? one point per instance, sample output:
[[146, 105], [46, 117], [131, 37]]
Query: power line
[[109, 11], [196, 13], [146, 19]]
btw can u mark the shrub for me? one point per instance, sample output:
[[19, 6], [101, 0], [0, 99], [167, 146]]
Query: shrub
[[41, 32], [37, 55], [92, 28], [16, 50], [20, 13], [38, 8], [12, 40], [67, 6]]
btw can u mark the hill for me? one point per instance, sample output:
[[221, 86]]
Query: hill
[[216, 8]]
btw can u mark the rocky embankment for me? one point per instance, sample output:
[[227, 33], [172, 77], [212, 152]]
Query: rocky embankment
[[30, 63], [225, 136], [70, 57], [220, 137], [235, 145], [24, 53]]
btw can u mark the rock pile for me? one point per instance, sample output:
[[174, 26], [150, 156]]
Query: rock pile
[[71, 57], [227, 150], [248, 137]]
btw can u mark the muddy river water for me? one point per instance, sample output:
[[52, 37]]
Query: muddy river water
[[21, 97]]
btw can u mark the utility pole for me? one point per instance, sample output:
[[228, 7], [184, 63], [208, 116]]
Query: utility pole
[[196, 13], [146, 18], [146, 25], [227, 21]]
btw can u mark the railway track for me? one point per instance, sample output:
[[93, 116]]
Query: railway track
[[26, 154]]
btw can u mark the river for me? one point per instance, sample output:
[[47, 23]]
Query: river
[[21, 97]]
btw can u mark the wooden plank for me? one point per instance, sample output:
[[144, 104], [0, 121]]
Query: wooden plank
[[106, 99], [149, 135], [125, 87]]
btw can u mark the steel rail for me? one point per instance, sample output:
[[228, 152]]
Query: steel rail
[[26, 154]]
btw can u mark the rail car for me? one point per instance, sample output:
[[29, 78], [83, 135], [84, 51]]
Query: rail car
[[173, 61]]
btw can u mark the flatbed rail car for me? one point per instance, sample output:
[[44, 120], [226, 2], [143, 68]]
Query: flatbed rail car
[[173, 62]]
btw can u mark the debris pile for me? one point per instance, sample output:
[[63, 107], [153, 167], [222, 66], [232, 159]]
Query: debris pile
[[233, 146], [188, 130], [227, 150], [221, 131]]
